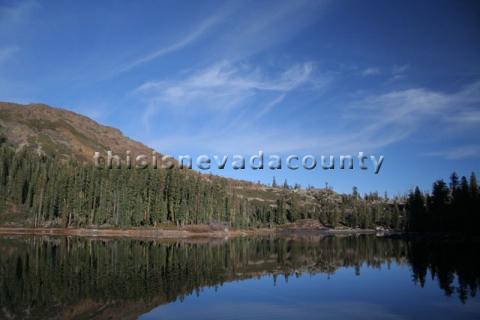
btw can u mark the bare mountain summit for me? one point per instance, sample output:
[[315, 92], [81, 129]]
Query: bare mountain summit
[[62, 133]]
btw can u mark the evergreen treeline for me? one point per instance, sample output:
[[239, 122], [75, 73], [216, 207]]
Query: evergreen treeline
[[43, 191], [448, 208]]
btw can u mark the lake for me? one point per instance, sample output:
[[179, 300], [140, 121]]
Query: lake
[[336, 277]]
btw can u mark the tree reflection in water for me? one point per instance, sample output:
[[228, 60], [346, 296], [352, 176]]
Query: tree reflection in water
[[76, 277]]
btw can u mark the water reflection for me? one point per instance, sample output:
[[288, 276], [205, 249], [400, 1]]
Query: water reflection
[[71, 278]]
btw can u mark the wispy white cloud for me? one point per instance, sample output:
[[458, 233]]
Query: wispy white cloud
[[267, 26], [457, 153], [269, 106], [223, 87], [368, 123], [233, 97], [376, 121], [466, 118], [394, 116], [372, 71], [225, 79], [236, 34], [197, 32], [399, 72], [403, 107]]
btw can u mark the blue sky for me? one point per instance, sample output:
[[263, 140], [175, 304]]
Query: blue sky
[[393, 78]]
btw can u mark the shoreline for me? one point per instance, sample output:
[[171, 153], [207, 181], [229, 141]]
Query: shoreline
[[177, 233], [139, 233]]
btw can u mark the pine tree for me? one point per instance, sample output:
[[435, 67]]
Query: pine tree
[[355, 193], [274, 183], [473, 207], [439, 205], [417, 220]]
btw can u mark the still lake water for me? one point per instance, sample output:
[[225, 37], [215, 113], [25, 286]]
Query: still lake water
[[352, 277]]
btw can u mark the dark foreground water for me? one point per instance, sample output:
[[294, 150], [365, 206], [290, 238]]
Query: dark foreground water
[[356, 277]]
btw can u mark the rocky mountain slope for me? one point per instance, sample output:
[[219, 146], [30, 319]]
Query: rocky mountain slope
[[62, 133]]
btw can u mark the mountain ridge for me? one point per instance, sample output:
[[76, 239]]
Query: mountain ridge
[[62, 133]]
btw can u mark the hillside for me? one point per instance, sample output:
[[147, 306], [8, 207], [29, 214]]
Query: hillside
[[39, 188], [60, 132]]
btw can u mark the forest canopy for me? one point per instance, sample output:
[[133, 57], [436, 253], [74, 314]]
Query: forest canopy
[[44, 191]]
